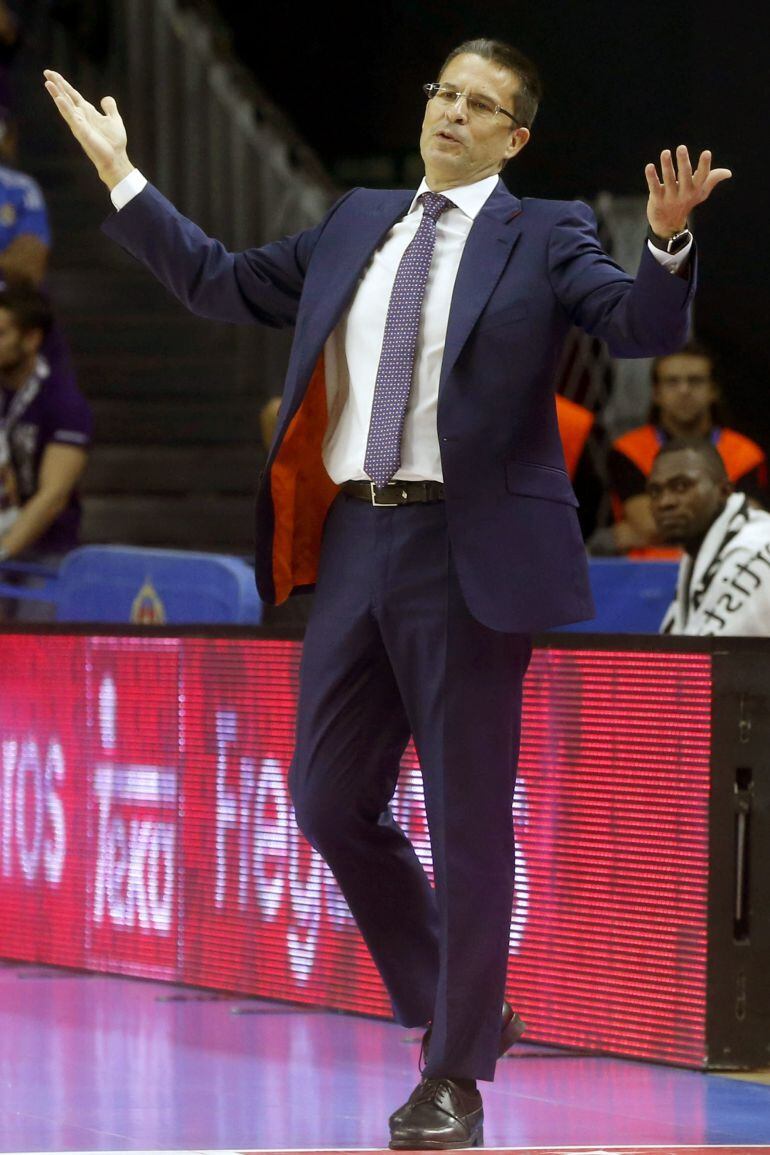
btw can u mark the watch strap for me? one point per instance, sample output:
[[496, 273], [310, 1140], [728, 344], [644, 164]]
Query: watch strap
[[672, 245]]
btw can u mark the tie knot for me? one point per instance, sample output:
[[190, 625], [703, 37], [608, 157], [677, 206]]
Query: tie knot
[[434, 204]]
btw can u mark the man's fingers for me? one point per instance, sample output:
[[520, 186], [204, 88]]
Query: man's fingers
[[101, 135], [684, 167], [64, 86], [75, 114], [62, 102], [704, 172], [713, 179], [704, 165], [667, 168], [653, 183], [679, 189], [75, 119]]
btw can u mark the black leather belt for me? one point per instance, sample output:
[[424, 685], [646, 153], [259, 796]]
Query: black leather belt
[[395, 492]]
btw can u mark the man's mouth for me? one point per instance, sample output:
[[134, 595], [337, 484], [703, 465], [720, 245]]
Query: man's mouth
[[671, 524], [448, 136]]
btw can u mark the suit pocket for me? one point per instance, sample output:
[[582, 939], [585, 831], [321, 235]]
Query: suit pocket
[[526, 479], [507, 316]]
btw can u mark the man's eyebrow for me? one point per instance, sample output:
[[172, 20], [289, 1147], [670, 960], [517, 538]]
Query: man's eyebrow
[[471, 92], [668, 480]]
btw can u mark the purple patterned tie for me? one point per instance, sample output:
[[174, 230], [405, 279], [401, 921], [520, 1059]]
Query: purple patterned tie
[[394, 372]]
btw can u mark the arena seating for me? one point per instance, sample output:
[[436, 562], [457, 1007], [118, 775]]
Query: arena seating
[[123, 584], [631, 596], [126, 584]]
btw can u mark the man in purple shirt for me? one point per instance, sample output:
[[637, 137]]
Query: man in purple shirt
[[45, 430]]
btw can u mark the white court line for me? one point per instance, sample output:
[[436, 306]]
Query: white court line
[[560, 1150]]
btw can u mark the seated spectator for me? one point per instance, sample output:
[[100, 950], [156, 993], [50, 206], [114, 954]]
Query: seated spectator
[[685, 404], [25, 235], [45, 430], [724, 576], [25, 238]]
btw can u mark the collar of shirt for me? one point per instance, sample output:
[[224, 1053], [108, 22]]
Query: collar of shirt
[[38, 374], [469, 198]]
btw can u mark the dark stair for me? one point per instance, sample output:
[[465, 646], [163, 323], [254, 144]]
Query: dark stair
[[177, 447]]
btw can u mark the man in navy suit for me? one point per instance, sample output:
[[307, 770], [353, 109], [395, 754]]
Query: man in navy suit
[[430, 582]]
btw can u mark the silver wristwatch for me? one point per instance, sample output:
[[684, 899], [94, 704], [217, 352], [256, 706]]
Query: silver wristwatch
[[672, 245]]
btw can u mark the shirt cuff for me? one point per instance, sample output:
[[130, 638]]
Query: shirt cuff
[[125, 190], [671, 261]]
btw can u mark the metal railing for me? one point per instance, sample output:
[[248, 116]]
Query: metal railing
[[200, 125], [203, 131]]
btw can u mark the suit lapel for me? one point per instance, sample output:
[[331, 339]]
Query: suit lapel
[[490, 243], [329, 293], [365, 228]]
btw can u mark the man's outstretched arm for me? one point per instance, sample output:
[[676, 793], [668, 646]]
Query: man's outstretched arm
[[647, 315], [262, 284]]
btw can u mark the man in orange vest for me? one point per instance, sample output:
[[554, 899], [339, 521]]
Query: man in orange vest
[[685, 404]]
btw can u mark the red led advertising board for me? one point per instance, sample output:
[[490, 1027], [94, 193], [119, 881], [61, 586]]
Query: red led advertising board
[[146, 828]]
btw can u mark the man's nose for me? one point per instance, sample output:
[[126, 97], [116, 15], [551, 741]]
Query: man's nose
[[459, 110], [666, 499]]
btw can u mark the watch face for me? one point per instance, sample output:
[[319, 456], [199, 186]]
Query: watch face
[[678, 242]]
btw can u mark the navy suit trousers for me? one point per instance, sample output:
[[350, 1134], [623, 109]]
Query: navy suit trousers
[[391, 650]]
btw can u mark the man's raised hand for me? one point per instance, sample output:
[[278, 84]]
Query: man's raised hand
[[673, 198], [102, 136]]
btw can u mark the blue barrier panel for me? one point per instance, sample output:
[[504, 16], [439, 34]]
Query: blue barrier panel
[[124, 584], [155, 586], [631, 596], [25, 581]]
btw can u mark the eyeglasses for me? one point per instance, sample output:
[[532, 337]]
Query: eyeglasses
[[481, 106]]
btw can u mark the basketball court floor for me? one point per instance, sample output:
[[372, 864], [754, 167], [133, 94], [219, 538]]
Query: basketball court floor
[[97, 1063]]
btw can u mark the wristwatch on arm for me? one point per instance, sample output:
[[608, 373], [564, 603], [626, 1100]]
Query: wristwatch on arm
[[671, 245]]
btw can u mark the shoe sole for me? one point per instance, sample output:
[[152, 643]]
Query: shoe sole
[[476, 1140]]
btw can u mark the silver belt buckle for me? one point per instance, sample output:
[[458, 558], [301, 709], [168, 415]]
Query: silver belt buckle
[[380, 504]]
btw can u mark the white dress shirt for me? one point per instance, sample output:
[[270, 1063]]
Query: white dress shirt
[[352, 350]]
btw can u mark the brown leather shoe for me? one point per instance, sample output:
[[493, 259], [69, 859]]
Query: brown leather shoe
[[512, 1028], [438, 1116]]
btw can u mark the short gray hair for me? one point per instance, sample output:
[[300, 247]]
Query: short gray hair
[[506, 56]]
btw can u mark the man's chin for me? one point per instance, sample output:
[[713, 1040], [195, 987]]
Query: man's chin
[[690, 425], [675, 533], [442, 159]]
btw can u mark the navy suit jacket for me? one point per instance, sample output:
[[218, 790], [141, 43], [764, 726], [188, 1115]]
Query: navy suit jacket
[[530, 269]]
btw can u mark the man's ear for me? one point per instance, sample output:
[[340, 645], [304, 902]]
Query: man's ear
[[519, 138]]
